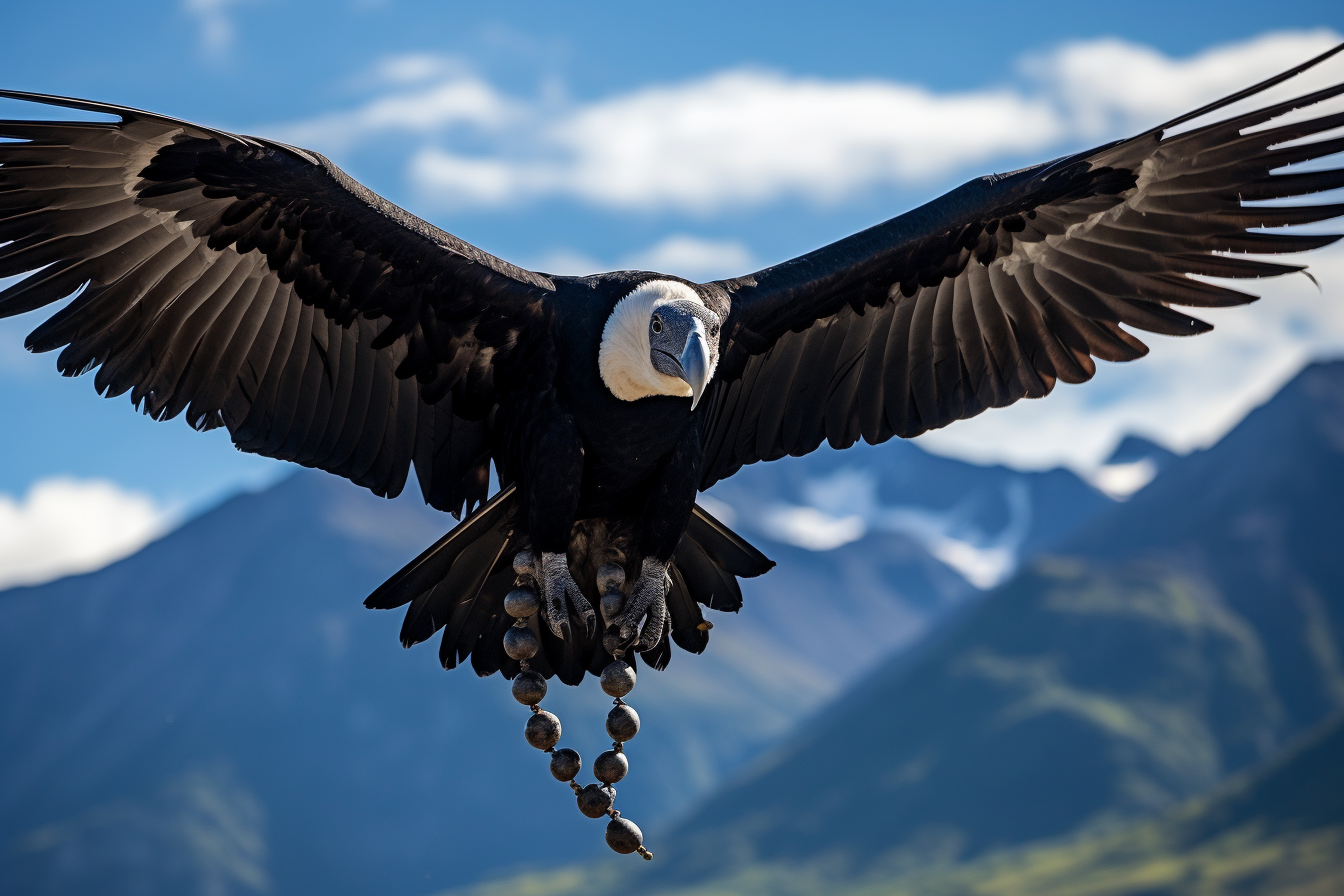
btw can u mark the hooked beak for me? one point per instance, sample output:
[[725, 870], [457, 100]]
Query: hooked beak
[[695, 362]]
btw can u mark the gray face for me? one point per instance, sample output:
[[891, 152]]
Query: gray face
[[684, 343]]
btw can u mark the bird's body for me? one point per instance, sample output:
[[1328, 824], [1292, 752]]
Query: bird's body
[[579, 453], [253, 286], [624, 442]]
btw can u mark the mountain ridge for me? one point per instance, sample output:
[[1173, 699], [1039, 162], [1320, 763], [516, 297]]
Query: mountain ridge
[[1105, 681], [1274, 830]]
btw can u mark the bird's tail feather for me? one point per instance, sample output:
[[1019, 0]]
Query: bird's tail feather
[[459, 584]]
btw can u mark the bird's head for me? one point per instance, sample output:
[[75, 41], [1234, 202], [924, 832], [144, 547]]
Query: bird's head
[[659, 340]]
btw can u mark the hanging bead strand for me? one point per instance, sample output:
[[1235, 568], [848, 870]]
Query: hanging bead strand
[[543, 728], [529, 687], [617, 679]]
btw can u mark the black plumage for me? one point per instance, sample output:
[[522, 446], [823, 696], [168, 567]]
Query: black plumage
[[251, 285]]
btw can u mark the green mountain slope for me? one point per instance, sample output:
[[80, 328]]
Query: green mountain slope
[[1276, 830]]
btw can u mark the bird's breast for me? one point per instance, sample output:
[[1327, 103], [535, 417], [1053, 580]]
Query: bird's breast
[[625, 447]]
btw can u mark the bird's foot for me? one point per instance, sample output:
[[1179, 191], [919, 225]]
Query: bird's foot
[[559, 592], [647, 603]]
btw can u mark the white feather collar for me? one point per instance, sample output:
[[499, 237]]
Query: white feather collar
[[623, 359]]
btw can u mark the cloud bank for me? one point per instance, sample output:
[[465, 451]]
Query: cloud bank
[[745, 137], [750, 137], [64, 526], [692, 257]]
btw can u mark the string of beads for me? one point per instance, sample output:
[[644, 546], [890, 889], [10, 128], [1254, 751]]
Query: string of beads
[[543, 728]]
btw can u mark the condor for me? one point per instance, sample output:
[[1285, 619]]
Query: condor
[[254, 286]]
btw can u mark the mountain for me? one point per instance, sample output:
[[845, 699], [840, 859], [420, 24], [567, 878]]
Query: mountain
[[1178, 638], [1277, 830], [1132, 449], [894, 535], [218, 714]]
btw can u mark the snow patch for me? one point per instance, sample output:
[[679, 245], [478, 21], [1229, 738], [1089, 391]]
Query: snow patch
[[844, 507], [1119, 481]]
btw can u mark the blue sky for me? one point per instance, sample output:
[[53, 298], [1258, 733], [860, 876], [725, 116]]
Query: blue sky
[[703, 138]]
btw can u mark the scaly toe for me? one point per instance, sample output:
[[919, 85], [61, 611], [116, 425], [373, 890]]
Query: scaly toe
[[556, 583], [650, 589], [653, 628]]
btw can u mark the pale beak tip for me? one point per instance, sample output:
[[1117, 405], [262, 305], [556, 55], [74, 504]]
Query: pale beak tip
[[695, 365]]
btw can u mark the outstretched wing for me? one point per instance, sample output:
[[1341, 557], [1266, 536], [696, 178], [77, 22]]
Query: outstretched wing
[[1009, 283], [255, 286]]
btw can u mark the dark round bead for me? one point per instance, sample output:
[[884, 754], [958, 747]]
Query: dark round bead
[[618, 679], [565, 764], [624, 836], [610, 767], [522, 563], [622, 723], [612, 602], [595, 800], [543, 730], [520, 603], [609, 576], [529, 688], [520, 643]]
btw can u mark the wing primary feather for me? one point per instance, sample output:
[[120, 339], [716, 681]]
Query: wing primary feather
[[898, 361], [786, 363], [871, 389], [843, 403], [983, 384]]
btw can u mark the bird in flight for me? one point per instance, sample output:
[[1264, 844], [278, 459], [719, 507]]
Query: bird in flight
[[254, 286]]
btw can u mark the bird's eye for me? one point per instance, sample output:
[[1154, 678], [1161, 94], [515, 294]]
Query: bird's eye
[[657, 325]]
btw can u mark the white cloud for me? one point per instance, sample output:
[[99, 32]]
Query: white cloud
[[463, 181], [216, 28], [684, 255], [459, 99], [1111, 87], [64, 526], [694, 258], [747, 137], [742, 137], [416, 68], [752, 136]]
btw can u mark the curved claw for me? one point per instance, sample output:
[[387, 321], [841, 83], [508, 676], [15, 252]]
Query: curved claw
[[559, 592], [652, 632]]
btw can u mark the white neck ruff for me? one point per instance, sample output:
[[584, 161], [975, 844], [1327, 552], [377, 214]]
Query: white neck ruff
[[623, 360]]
